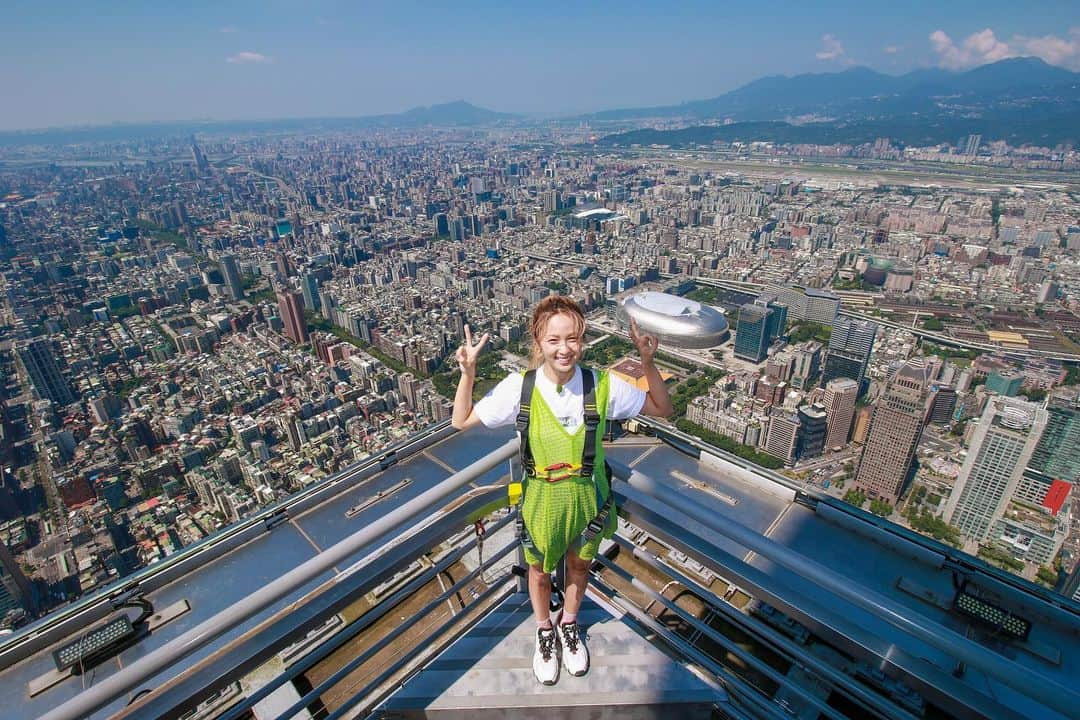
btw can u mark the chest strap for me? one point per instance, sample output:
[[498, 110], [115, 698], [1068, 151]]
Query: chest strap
[[592, 422]]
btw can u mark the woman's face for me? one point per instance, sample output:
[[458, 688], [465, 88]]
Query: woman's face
[[560, 343]]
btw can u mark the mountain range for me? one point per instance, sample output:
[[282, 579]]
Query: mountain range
[[860, 92], [1020, 100]]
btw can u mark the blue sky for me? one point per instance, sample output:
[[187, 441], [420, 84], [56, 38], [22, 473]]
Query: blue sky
[[67, 63]]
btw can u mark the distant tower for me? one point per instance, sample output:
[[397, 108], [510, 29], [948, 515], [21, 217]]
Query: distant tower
[[849, 349], [198, 157], [839, 402], [232, 277], [894, 433], [38, 358], [309, 285], [1001, 448], [291, 307], [971, 147]]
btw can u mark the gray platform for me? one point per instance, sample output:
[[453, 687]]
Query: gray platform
[[487, 673]]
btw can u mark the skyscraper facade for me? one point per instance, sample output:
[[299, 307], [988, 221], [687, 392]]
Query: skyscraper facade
[[1057, 454], [839, 402], [232, 277], [291, 307], [15, 589], [849, 349], [760, 322], [1001, 448], [814, 431], [895, 428], [39, 359], [752, 334], [782, 437]]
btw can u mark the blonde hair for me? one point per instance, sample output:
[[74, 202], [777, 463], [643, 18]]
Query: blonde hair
[[546, 309]]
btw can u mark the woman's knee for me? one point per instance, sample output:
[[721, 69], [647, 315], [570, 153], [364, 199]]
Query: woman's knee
[[575, 564], [537, 574]]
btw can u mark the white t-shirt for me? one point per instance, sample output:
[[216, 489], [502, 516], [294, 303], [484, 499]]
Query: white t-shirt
[[500, 406]]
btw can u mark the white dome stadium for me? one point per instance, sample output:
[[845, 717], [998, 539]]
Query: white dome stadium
[[676, 321]]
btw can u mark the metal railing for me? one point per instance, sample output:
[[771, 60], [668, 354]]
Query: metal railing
[[416, 515], [88, 610], [148, 666]]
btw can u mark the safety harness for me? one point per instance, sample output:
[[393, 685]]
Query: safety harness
[[561, 471]]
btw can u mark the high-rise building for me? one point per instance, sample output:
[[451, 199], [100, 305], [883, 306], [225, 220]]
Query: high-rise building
[[942, 406], [1058, 453], [814, 431], [40, 361], [760, 322], [291, 307], [1005, 382], [15, 589], [849, 349], [197, 155], [309, 285], [839, 402], [232, 276], [981, 504], [971, 146], [807, 303], [751, 334], [782, 437], [895, 428]]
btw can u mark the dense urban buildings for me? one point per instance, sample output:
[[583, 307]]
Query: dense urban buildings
[[211, 326]]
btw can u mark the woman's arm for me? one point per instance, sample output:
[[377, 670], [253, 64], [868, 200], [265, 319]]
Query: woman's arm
[[657, 399], [464, 417]]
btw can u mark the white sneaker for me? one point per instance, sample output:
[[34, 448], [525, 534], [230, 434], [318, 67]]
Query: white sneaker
[[546, 658], [575, 655]]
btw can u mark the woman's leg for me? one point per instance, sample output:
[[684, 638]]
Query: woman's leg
[[540, 593], [577, 578]]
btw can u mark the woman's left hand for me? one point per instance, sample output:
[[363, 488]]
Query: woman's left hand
[[646, 344]]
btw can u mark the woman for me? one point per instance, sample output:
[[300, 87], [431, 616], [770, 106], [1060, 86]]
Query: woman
[[559, 503]]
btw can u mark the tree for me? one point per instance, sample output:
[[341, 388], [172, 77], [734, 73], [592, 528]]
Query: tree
[[855, 497], [880, 508]]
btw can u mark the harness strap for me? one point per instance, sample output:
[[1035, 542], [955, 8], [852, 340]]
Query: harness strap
[[522, 423], [588, 453]]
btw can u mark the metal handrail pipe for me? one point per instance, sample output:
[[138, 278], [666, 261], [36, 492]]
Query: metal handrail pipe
[[766, 635], [96, 605], [728, 681], [507, 590], [722, 641], [344, 671], [1054, 695], [101, 694], [372, 616]]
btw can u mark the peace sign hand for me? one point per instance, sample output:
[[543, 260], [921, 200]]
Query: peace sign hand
[[466, 354], [646, 344]]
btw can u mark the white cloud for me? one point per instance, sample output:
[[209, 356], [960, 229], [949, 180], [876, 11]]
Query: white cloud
[[246, 57], [227, 30], [892, 49], [831, 49], [1052, 49], [985, 47]]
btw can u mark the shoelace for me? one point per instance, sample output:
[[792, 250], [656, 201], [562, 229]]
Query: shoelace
[[570, 636], [547, 644]]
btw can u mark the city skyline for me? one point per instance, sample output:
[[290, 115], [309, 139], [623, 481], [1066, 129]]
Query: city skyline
[[240, 62]]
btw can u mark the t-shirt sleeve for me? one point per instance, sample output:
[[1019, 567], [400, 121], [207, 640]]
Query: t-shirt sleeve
[[500, 406], [624, 400]]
